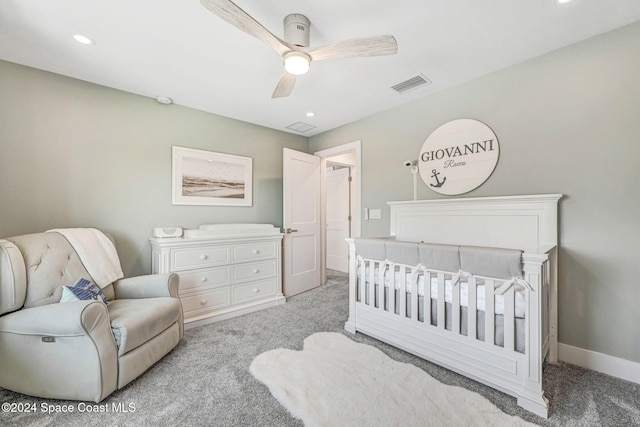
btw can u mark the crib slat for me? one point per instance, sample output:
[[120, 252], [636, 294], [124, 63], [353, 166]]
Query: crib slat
[[381, 286], [489, 312], [441, 302], [414, 294], [509, 320], [402, 292], [472, 302], [426, 301], [361, 269], [362, 292], [392, 291], [372, 283], [365, 283], [455, 308]]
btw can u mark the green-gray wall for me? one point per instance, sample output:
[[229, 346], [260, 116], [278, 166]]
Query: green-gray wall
[[567, 122], [75, 154]]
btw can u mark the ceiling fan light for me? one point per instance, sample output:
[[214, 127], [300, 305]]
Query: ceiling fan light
[[296, 63]]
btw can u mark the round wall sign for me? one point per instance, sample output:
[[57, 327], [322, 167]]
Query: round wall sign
[[458, 156]]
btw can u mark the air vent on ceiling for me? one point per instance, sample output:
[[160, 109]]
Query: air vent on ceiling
[[300, 126], [410, 84]]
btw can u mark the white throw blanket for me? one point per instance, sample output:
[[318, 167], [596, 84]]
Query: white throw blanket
[[97, 253]]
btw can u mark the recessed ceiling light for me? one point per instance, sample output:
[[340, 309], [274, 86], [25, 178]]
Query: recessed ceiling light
[[310, 114], [563, 1], [164, 100], [80, 38]]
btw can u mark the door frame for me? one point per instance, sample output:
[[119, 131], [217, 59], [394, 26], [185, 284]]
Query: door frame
[[354, 147]]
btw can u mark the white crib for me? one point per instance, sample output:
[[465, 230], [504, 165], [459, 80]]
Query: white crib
[[427, 310]]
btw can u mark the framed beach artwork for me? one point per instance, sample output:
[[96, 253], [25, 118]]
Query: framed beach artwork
[[202, 177]]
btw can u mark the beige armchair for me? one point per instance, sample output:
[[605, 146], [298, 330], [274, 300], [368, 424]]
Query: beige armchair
[[78, 350]]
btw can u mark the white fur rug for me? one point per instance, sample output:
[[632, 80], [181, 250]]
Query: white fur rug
[[335, 381]]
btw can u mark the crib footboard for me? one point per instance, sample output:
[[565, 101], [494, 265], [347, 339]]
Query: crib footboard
[[495, 331]]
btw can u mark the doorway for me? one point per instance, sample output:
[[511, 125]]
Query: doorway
[[338, 216], [305, 213], [340, 203]]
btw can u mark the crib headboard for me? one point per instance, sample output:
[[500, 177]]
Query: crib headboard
[[529, 223]]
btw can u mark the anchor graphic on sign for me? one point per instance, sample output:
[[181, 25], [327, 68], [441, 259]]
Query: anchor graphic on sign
[[438, 184]]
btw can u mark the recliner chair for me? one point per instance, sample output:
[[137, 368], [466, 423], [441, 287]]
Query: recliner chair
[[79, 350]]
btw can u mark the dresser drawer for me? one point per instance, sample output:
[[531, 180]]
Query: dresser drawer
[[198, 257], [254, 251], [252, 291], [209, 300], [209, 278], [254, 271]]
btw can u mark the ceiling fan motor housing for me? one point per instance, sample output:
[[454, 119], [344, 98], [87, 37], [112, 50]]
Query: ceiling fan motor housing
[[296, 29]]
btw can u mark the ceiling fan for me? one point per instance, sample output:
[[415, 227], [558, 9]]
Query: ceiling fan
[[295, 50]]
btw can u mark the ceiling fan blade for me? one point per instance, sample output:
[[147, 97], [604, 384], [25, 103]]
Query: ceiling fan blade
[[237, 17], [366, 46], [285, 86]]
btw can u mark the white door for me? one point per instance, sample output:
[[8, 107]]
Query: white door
[[301, 208], [338, 219]]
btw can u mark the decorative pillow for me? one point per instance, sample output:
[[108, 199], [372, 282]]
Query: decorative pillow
[[83, 290]]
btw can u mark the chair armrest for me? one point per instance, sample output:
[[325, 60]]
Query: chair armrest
[[148, 286], [60, 351], [71, 319]]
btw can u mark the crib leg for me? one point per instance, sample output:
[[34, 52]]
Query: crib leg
[[538, 404], [350, 327]]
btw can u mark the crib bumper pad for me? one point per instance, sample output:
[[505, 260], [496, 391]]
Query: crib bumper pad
[[371, 248], [491, 262], [439, 257], [481, 261]]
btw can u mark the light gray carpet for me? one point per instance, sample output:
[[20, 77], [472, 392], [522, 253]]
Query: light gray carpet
[[205, 381]]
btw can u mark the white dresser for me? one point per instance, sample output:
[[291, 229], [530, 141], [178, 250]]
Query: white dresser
[[225, 269]]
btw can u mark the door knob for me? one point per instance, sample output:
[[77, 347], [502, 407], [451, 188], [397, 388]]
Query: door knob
[[289, 231]]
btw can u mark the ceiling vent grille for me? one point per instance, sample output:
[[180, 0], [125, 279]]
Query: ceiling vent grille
[[300, 127], [410, 84]]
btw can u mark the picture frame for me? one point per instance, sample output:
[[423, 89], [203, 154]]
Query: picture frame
[[207, 178]]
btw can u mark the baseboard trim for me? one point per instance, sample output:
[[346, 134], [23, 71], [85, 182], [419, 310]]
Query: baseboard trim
[[610, 365]]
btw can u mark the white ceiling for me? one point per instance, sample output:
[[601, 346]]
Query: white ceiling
[[177, 48]]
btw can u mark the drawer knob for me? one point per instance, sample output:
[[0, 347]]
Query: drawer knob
[[203, 302], [203, 257], [256, 251], [255, 270], [256, 290], [203, 279]]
